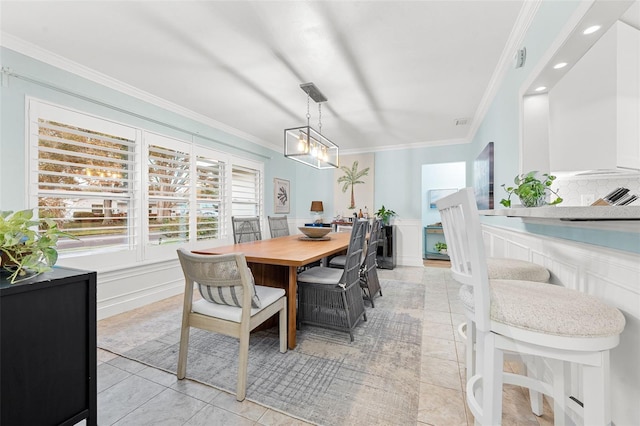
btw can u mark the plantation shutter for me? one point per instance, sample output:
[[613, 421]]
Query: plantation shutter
[[246, 191], [209, 195], [85, 181], [169, 191]]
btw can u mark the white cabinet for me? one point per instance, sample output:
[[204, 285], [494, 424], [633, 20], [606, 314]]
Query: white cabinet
[[594, 111]]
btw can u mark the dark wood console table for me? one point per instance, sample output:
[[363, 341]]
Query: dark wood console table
[[48, 349]]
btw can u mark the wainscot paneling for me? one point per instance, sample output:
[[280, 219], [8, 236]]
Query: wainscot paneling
[[132, 287], [613, 276], [409, 242]]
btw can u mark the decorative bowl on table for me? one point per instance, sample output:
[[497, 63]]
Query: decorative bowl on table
[[314, 232]]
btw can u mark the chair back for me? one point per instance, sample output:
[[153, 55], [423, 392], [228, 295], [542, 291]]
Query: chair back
[[278, 226], [353, 260], [465, 246], [246, 229], [372, 246], [217, 271]]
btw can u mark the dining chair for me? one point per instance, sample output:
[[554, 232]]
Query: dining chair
[[369, 281], [558, 324], [231, 304], [330, 297], [278, 226], [246, 229]]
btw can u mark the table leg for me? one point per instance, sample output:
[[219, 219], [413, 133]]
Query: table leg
[[291, 306]]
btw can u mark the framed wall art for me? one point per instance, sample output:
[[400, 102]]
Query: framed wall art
[[281, 196]]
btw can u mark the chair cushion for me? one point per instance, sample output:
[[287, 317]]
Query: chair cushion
[[321, 275], [500, 268], [548, 309], [230, 295], [338, 261], [267, 295]]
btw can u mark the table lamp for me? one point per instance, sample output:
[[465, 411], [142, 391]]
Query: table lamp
[[316, 211]]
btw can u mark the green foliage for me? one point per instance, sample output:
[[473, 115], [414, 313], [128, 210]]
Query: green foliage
[[385, 214], [25, 247], [440, 246], [530, 189]]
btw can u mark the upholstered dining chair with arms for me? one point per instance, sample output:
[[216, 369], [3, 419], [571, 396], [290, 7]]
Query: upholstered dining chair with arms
[[330, 297], [278, 226], [231, 304], [246, 229], [558, 324]]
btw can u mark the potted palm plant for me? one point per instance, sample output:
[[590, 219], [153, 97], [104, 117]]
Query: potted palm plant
[[531, 190], [27, 246]]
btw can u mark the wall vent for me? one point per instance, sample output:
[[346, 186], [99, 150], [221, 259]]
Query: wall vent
[[461, 121]]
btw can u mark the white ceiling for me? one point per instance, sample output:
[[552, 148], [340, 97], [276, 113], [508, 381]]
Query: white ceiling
[[396, 73]]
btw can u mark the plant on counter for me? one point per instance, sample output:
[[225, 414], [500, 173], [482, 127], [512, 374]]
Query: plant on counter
[[385, 214], [531, 190], [440, 247], [27, 246]]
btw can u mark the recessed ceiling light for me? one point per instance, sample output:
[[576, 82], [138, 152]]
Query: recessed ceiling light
[[559, 65], [541, 88], [592, 29]]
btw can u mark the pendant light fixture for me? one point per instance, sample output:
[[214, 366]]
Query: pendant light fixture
[[305, 144]]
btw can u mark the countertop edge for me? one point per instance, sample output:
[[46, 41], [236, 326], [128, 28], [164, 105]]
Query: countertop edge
[[575, 213]]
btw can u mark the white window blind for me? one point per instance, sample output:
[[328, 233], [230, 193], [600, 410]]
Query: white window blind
[[169, 192], [86, 183], [210, 186], [246, 191]]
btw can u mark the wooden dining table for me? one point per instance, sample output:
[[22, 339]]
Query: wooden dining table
[[275, 262]]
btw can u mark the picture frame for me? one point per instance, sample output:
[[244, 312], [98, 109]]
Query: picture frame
[[436, 194], [281, 196]]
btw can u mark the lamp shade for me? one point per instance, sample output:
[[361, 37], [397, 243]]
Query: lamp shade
[[316, 206]]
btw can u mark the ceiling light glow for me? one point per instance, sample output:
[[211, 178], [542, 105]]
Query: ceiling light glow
[[541, 88], [592, 29], [559, 65]]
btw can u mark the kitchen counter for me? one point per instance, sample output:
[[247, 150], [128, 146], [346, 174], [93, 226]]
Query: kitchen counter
[[576, 213]]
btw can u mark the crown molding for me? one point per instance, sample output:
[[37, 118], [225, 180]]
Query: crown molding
[[65, 64]]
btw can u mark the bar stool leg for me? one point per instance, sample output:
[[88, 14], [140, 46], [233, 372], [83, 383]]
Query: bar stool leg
[[535, 369], [597, 403]]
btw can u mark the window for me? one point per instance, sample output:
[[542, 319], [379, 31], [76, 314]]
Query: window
[[247, 190], [169, 179], [209, 198], [85, 180], [129, 194]]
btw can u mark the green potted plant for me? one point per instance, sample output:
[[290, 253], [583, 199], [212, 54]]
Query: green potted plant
[[440, 247], [27, 246], [385, 215], [531, 190]]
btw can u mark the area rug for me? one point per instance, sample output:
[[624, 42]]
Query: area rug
[[326, 379]]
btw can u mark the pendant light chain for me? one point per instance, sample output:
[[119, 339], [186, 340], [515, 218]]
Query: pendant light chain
[[320, 117]]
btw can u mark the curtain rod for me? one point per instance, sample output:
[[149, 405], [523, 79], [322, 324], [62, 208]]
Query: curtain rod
[[6, 72]]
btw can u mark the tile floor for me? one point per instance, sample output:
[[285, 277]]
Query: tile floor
[[130, 393]]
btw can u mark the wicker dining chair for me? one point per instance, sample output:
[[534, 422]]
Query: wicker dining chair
[[369, 281], [330, 297], [246, 229], [278, 226]]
